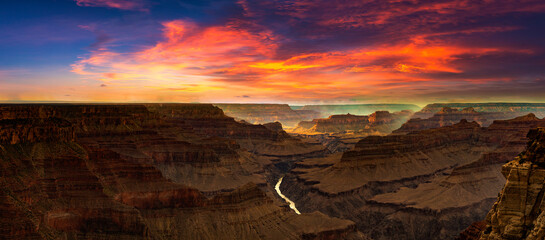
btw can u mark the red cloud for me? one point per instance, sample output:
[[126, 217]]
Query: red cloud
[[242, 57], [227, 58]]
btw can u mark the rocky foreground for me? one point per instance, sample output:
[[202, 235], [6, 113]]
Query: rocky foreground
[[149, 171], [429, 184], [519, 210]]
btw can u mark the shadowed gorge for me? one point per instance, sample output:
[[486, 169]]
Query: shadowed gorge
[[134, 171], [443, 178], [147, 171]]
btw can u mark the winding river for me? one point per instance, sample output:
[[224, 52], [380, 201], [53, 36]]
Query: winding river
[[292, 204]]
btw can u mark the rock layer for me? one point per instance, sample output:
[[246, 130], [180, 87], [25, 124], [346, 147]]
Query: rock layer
[[341, 132], [518, 212], [518, 108], [445, 178], [380, 122], [448, 116], [264, 113], [357, 109], [130, 171]]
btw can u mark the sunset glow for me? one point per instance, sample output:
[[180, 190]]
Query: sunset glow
[[295, 51]]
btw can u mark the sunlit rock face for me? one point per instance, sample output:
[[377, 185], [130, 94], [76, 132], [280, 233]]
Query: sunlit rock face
[[135, 172], [518, 212], [341, 132], [264, 113], [518, 109], [334, 123], [357, 109], [444, 178], [448, 116]]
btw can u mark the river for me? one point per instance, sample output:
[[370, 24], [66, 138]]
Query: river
[[292, 204]]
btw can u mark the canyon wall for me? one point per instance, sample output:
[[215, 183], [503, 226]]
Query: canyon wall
[[357, 109], [380, 122], [519, 108], [341, 132], [444, 179], [448, 116], [128, 171], [264, 113], [518, 211]]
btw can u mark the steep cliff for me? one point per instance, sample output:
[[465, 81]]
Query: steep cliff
[[264, 113], [334, 123], [448, 116], [473, 232], [126, 172], [341, 132], [519, 108], [358, 109], [518, 212], [257, 139], [444, 178]]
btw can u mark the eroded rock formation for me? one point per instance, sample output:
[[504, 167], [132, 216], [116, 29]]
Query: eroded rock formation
[[518, 108], [444, 178], [518, 212], [448, 116], [264, 113], [341, 132], [135, 172], [357, 109]]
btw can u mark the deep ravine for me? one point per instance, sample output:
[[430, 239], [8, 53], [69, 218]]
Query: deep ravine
[[291, 203]]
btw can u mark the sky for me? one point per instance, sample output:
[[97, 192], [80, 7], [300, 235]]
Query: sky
[[267, 51]]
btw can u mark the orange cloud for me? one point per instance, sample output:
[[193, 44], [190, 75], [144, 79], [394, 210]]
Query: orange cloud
[[219, 63]]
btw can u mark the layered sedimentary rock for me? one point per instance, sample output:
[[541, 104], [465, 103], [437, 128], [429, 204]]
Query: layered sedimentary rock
[[448, 116], [518, 212], [334, 123], [518, 108], [264, 113], [257, 139], [341, 132], [473, 232], [274, 126], [357, 109], [110, 172], [444, 178]]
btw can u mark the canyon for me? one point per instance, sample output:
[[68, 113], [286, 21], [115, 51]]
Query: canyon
[[519, 108], [290, 116], [265, 113], [356, 109], [191, 171], [147, 171], [377, 123], [448, 116], [518, 212], [444, 178], [341, 132]]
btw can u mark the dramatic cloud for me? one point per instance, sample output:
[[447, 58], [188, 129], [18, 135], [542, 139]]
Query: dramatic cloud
[[321, 50]]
